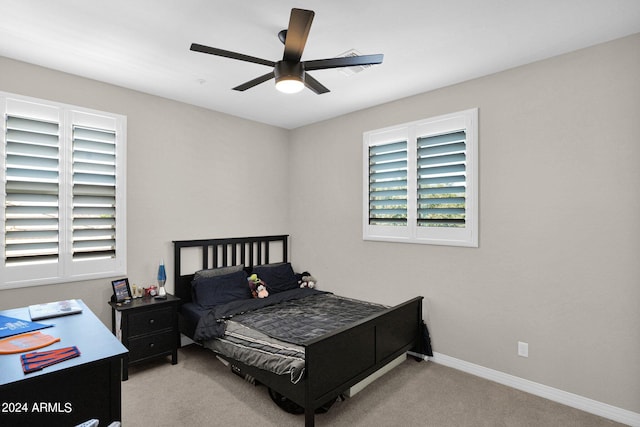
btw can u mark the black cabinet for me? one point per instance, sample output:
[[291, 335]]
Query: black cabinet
[[148, 327]]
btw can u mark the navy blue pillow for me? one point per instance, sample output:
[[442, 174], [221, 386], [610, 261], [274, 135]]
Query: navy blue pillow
[[278, 277], [211, 291]]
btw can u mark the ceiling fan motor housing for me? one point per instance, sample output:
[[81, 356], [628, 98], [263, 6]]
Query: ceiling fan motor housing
[[285, 70]]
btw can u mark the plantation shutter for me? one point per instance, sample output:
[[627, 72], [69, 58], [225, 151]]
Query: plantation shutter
[[420, 181], [441, 170], [388, 184], [32, 188], [94, 193]]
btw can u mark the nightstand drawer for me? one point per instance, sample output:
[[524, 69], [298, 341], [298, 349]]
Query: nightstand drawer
[[150, 320], [151, 345]]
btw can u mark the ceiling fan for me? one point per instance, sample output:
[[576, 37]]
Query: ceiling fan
[[290, 73]]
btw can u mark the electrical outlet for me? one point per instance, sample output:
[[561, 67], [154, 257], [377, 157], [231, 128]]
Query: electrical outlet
[[523, 349]]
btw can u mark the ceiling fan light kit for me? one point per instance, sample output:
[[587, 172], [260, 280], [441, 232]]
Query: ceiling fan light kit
[[289, 76], [290, 73]]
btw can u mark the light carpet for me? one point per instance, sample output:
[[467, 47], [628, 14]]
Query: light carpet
[[201, 391]]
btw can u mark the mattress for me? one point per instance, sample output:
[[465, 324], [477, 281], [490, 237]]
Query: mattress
[[271, 335], [254, 348]]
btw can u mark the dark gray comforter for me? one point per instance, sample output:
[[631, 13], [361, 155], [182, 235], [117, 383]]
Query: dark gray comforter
[[296, 316]]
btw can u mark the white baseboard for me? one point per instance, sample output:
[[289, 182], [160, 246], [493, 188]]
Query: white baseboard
[[575, 401]]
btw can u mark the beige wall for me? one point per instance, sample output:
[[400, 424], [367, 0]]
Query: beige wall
[[191, 173], [558, 265]]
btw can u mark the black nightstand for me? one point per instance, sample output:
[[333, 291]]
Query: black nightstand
[[149, 329]]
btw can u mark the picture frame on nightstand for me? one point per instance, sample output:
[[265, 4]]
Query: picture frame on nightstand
[[121, 290]]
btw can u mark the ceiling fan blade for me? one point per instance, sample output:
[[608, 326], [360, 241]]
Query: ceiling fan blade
[[254, 82], [347, 61], [314, 85], [297, 33], [228, 54]]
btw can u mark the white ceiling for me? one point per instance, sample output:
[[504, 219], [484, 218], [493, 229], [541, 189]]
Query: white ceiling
[[427, 44]]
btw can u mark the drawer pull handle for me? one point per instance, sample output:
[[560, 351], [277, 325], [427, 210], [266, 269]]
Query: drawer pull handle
[[151, 345], [151, 321]]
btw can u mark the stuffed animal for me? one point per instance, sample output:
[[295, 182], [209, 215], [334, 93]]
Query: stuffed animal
[[258, 287], [307, 280]]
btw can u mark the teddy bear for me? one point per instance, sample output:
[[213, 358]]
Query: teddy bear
[[307, 280], [258, 287]]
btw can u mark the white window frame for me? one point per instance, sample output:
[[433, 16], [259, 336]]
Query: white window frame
[[467, 236], [65, 269]]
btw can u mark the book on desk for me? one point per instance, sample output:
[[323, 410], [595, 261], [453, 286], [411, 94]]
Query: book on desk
[[54, 309]]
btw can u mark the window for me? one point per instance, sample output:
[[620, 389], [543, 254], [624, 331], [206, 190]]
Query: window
[[63, 210], [420, 181]]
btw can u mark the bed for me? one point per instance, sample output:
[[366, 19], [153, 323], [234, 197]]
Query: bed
[[331, 362]]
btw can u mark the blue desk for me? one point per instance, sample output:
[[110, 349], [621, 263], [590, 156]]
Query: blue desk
[[72, 391]]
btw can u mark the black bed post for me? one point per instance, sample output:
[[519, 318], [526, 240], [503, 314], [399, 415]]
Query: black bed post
[[285, 251], [309, 417], [176, 268], [309, 410]]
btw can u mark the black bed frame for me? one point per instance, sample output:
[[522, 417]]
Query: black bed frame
[[335, 361]]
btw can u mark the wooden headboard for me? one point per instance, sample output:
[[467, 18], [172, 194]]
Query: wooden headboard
[[248, 251]]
